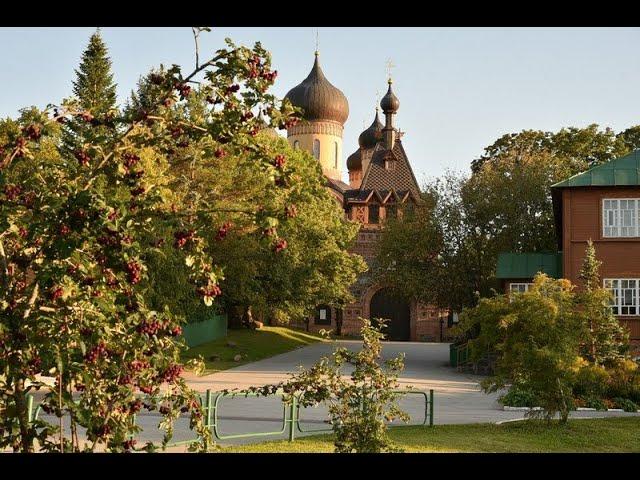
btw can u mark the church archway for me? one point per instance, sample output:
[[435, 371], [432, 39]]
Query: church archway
[[397, 312]]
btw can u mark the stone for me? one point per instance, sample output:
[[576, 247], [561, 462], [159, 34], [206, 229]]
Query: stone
[[237, 358], [231, 344]]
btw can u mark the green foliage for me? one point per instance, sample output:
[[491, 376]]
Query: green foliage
[[519, 397], [77, 228], [536, 336], [625, 404], [360, 404]]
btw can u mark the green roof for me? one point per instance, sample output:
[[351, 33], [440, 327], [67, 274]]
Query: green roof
[[526, 265], [619, 172]]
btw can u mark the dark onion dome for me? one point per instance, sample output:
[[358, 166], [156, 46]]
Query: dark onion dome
[[318, 98], [371, 135], [354, 161], [390, 103]]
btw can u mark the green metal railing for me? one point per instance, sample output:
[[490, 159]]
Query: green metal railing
[[291, 421]]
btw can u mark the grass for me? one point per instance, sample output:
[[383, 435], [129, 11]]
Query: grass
[[252, 345], [592, 435]]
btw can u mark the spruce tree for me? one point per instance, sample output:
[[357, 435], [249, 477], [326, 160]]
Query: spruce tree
[[607, 340], [95, 93], [94, 85]]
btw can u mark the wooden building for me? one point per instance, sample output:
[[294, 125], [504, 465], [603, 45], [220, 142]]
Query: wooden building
[[601, 205]]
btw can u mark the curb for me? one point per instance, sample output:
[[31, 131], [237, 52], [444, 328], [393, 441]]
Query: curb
[[579, 409]]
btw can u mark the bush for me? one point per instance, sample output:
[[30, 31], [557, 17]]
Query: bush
[[519, 397], [595, 402], [625, 404], [591, 381], [624, 381]]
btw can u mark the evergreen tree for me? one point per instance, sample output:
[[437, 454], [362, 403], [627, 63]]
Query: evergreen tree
[[94, 85], [607, 340], [95, 94]]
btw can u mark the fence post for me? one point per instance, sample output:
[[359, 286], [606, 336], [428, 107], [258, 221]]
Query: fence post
[[30, 407], [293, 417], [431, 407], [207, 401]]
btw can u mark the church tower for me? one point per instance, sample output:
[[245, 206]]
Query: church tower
[[325, 110]]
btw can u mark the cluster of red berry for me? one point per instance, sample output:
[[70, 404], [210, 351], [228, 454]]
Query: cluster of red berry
[[33, 366], [12, 192], [219, 153], [82, 157], [172, 373], [223, 230], [129, 444], [32, 131], [130, 159], [138, 191], [56, 293], [182, 237], [184, 90], [280, 245], [269, 232], [279, 161], [209, 291], [232, 88], [96, 352], [149, 327], [134, 270], [21, 146], [23, 232], [86, 116]]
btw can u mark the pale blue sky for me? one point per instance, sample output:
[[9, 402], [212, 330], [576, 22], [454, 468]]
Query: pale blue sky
[[459, 88]]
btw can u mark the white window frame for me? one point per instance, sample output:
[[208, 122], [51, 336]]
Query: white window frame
[[527, 286], [619, 222], [622, 289]]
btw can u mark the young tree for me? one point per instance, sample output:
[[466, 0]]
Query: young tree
[[75, 232], [606, 341], [360, 404], [536, 336]]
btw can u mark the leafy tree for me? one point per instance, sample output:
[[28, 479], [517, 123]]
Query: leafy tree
[[360, 404], [606, 340], [74, 244], [315, 266], [535, 336]]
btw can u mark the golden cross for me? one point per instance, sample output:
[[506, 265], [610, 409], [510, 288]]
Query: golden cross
[[390, 65]]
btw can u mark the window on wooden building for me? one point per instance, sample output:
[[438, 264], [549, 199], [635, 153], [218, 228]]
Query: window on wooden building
[[323, 315], [625, 295], [620, 217], [519, 287]]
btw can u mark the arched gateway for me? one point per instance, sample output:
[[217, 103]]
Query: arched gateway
[[384, 304]]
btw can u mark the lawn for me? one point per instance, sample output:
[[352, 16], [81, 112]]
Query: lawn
[[592, 435], [252, 345]]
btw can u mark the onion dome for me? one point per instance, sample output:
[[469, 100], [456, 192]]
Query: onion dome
[[371, 135], [318, 98], [390, 103], [354, 161]]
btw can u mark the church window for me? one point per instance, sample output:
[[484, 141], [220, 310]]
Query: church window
[[335, 160], [323, 315], [374, 213], [296, 145], [391, 210], [316, 149]]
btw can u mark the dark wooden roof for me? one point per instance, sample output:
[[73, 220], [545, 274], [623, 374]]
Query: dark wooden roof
[[400, 178]]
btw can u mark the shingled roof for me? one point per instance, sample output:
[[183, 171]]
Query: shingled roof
[[400, 178], [618, 172]]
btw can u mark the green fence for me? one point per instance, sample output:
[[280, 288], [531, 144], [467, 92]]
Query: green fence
[[206, 331], [210, 403]]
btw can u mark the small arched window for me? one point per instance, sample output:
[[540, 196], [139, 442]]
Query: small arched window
[[316, 149], [296, 144], [335, 144]]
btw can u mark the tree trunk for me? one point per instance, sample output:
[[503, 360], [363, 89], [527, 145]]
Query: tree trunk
[[22, 411], [235, 315]]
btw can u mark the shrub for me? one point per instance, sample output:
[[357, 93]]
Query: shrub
[[595, 402], [625, 404], [520, 397], [591, 381], [624, 381]]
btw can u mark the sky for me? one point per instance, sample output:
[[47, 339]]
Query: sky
[[460, 89]]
